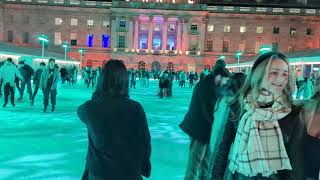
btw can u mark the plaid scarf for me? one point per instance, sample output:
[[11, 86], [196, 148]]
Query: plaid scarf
[[258, 147]]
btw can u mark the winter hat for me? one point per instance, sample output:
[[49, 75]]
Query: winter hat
[[266, 56]]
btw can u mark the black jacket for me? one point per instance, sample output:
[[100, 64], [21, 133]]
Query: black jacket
[[198, 121], [37, 77], [119, 139], [26, 72], [293, 131]]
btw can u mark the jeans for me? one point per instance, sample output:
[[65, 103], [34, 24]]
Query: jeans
[[52, 94], [8, 90], [199, 157]]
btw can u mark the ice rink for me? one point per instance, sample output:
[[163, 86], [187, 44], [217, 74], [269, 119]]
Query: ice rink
[[37, 145]]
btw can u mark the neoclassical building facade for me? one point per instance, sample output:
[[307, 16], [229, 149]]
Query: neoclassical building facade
[[185, 34]]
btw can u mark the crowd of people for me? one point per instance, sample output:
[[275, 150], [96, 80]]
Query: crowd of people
[[241, 126]]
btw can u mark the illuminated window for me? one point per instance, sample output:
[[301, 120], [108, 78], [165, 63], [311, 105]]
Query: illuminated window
[[90, 40], [226, 28], [106, 24], [171, 27], [74, 22], [259, 29], [58, 21], [105, 40], [293, 31], [243, 29], [73, 35], [57, 38], [210, 28], [90, 23]]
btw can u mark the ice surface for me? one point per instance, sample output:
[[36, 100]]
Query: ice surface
[[37, 145]]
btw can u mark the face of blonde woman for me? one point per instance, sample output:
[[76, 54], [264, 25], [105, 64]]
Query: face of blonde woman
[[277, 78]]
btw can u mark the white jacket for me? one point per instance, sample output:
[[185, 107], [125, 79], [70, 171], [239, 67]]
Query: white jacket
[[8, 74]]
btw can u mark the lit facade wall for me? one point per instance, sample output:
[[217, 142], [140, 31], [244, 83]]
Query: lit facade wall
[[189, 35]]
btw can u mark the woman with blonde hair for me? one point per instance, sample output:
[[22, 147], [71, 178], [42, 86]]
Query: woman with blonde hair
[[264, 127], [311, 117]]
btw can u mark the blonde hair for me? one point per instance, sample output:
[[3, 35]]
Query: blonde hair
[[253, 84]]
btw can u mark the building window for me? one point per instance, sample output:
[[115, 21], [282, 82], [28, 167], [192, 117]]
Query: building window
[[210, 28], [122, 24], [276, 30], [209, 45], [194, 27], [290, 48], [42, 20], [275, 46], [293, 31], [73, 35], [57, 38], [226, 28], [90, 40], [242, 46], [243, 29], [10, 19], [25, 37], [225, 46], [106, 24], [121, 41], [259, 30], [143, 27], [171, 27], [26, 20], [157, 28], [74, 22], [90, 23], [58, 21], [257, 48], [73, 42], [105, 40], [10, 36], [310, 31]]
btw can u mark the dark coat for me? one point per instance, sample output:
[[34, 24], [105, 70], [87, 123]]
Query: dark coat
[[37, 77], [26, 72], [198, 121], [293, 131], [119, 139]]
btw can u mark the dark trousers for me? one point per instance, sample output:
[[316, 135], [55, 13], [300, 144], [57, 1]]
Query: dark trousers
[[8, 90], [29, 89], [35, 92], [1, 86], [52, 94]]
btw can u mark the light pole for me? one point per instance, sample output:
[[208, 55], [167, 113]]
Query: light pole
[[65, 46], [265, 48], [81, 51], [222, 57], [237, 56], [43, 39]]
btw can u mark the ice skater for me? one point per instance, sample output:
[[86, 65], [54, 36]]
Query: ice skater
[[27, 72], [48, 84], [8, 73], [36, 80]]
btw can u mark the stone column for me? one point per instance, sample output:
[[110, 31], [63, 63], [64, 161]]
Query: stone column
[[185, 38], [164, 36], [136, 34], [151, 26], [179, 37], [202, 35], [114, 36], [130, 35]]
